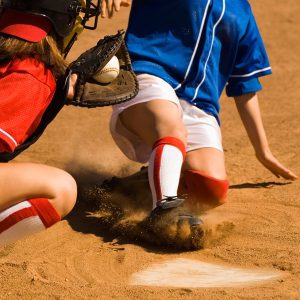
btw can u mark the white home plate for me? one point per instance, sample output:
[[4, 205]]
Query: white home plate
[[192, 274]]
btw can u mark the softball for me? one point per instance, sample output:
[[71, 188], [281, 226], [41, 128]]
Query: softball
[[110, 71]]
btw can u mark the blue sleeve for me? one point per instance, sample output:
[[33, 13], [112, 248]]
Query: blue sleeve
[[251, 62], [243, 87]]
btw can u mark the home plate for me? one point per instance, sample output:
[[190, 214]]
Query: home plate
[[188, 273]]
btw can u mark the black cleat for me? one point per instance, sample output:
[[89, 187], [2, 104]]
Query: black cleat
[[193, 221], [169, 202]]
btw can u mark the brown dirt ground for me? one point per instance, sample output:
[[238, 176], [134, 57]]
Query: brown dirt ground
[[80, 258]]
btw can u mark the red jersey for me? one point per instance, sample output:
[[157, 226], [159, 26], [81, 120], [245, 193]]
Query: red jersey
[[26, 90]]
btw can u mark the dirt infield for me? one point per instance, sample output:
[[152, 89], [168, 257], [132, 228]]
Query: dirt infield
[[83, 257]]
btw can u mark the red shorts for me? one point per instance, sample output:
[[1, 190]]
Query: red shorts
[[26, 90]]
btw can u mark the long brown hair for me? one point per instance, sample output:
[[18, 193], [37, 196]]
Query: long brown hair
[[47, 51]]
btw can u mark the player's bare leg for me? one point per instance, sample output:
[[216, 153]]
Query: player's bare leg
[[206, 160]]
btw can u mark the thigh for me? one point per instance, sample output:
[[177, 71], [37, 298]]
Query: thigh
[[154, 119], [209, 161]]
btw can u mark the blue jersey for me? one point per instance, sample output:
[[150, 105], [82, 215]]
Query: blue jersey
[[199, 47]]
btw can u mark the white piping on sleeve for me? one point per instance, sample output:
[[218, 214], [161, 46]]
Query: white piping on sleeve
[[196, 46], [211, 47], [252, 73], [9, 136]]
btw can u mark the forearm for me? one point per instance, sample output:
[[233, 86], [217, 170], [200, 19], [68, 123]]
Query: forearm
[[249, 111], [248, 108]]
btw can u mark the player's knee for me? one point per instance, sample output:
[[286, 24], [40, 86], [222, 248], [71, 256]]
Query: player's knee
[[179, 132], [203, 191], [173, 128], [65, 193]]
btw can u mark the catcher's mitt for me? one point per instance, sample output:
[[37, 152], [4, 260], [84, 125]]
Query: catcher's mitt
[[89, 92]]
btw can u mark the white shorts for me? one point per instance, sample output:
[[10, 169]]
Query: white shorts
[[203, 129]]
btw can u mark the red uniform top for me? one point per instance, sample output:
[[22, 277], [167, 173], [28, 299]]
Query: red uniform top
[[26, 90]]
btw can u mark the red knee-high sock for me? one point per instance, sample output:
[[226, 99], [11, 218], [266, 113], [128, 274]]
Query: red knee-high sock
[[203, 191], [164, 167], [26, 218]]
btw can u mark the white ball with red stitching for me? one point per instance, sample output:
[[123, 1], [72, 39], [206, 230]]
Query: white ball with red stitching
[[110, 71]]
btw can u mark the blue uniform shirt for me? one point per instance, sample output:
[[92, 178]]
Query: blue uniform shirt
[[198, 47]]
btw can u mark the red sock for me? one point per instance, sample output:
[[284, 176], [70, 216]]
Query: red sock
[[203, 191], [26, 218]]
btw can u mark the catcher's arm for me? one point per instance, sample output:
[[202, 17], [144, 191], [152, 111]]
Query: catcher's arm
[[90, 93]]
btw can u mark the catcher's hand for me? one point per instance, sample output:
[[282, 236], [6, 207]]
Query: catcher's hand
[[90, 93], [108, 7]]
